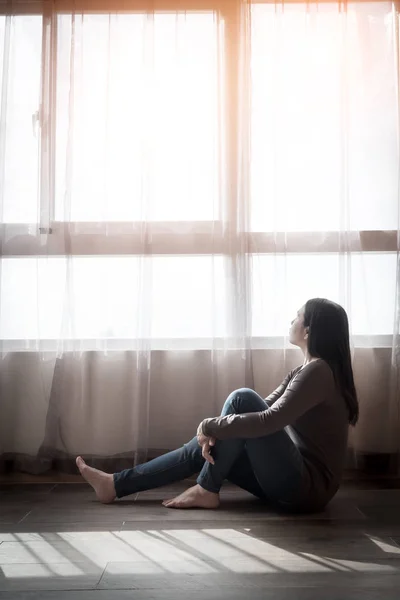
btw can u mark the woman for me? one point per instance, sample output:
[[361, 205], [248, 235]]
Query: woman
[[288, 449]]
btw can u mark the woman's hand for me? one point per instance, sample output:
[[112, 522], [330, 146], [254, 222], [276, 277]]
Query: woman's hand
[[206, 444]]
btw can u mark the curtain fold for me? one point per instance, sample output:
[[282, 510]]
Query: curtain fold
[[175, 182]]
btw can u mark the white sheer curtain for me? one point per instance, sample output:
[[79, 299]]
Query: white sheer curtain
[[174, 184]]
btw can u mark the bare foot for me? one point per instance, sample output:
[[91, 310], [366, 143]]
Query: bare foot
[[194, 497], [101, 482]]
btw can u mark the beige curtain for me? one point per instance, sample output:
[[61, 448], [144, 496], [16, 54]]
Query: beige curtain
[[175, 181]]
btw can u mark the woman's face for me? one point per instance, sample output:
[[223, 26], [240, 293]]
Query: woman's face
[[298, 333]]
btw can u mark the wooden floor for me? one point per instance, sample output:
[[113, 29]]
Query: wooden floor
[[57, 542]]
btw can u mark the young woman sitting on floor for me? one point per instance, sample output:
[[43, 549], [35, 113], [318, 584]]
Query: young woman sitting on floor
[[289, 449]]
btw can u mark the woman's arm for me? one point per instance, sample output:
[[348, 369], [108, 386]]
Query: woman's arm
[[308, 388], [276, 394]]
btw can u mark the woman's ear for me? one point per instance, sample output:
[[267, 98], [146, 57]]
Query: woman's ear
[[307, 329]]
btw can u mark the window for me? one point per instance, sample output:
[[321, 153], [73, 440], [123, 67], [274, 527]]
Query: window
[[324, 168], [122, 135], [143, 120], [324, 109]]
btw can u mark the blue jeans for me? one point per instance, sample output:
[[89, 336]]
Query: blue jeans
[[269, 467]]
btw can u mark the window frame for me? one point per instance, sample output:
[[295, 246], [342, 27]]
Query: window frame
[[225, 236]]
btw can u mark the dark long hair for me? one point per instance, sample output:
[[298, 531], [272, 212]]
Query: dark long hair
[[328, 338]]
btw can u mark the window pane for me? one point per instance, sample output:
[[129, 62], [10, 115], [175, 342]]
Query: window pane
[[369, 278], [137, 117], [109, 298], [373, 293], [20, 72], [324, 117]]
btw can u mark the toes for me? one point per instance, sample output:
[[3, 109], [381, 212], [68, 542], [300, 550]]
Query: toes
[[80, 463], [173, 503]]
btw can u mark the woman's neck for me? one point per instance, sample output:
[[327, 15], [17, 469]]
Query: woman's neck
[[308, 358]]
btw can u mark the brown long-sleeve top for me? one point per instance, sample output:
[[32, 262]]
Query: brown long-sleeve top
[[309, 406]]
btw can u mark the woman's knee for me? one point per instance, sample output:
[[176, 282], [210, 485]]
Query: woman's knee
[[244, 400]]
